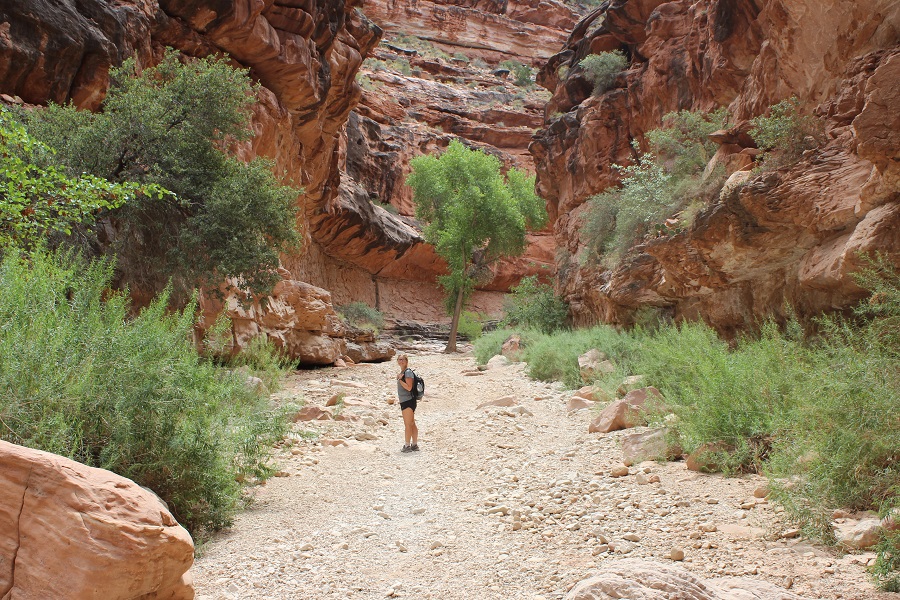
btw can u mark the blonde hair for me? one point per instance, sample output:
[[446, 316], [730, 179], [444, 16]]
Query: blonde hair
[[402, 357]]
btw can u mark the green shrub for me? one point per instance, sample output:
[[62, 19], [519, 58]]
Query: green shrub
[[685, 139], [470, 326], [82, 378], [602, 69], [522, 74], [362, 316], [264, 360], [664, 181], [618, 218], [489, 344], [886, 569], [787, 130], [535, 305], [39, 201]]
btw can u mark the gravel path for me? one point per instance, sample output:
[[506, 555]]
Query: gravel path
[[500, 503]]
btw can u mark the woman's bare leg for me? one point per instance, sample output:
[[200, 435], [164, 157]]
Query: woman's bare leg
[[411, 433]]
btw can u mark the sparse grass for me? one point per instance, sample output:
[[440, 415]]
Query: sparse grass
[[362, 316], [262, 359]]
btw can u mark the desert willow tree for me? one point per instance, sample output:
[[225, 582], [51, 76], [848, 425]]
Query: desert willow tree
[[474, 215]]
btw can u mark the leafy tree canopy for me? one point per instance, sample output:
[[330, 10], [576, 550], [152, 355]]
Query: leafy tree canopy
[[36, 201], [474, 214], [171, 125]]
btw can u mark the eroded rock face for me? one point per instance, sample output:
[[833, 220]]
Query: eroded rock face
[[517, 29], [299, 318], [113, 539], [638, 579], [785, 237]]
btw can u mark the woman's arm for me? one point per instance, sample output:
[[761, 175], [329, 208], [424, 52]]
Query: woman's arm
[[406, 382]]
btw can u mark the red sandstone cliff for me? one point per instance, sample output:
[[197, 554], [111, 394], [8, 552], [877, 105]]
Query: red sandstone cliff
[[787, 236], [495, 30], [305, 55]]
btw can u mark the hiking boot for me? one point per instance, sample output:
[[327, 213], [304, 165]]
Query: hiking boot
[[414, 448], [406, 448]]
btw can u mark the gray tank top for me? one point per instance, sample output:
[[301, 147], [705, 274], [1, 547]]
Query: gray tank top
[[402, 393]]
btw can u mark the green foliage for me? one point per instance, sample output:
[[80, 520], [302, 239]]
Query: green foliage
[[261, 358], [470, 326], [786, 130], [667, 179], [82, 378], [401, 65], [38, 200], [362, 316], [534, 305], [489, 344], [460, 57], [473, 214], [684, 142], [523, 75], [618, 218], [886, 569], [603, 69], [167, 126]]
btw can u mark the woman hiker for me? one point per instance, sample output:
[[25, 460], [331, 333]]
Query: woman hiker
[[405, 382]]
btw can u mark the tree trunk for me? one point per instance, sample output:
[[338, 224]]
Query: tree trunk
[[454, 325]]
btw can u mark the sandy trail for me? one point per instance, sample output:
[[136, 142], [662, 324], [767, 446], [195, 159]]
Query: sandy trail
[[496, 505]]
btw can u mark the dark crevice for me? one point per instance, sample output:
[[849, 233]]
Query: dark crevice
[[12, 562]]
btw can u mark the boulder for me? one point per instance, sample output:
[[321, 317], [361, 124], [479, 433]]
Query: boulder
[[512, 348], [312, 413], [639, 579], [648, 445], [76, 532], [858, 535], [630, 383], [497, 362], [593, 393], [578, 403], [504, 401], [369, 351], [624, 413], [593, 364]]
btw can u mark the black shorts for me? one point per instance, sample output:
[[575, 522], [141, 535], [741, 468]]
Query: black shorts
[[408, 404]]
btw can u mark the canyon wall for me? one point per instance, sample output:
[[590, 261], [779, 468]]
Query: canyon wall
[[414, 102], [305, 55], [494, 30], [785, 237]]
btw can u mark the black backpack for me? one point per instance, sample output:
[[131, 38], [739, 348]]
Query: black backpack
[[418, 388]]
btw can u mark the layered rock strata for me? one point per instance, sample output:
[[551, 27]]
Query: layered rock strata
[[523, 30], [80, 533], [787, 237]]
